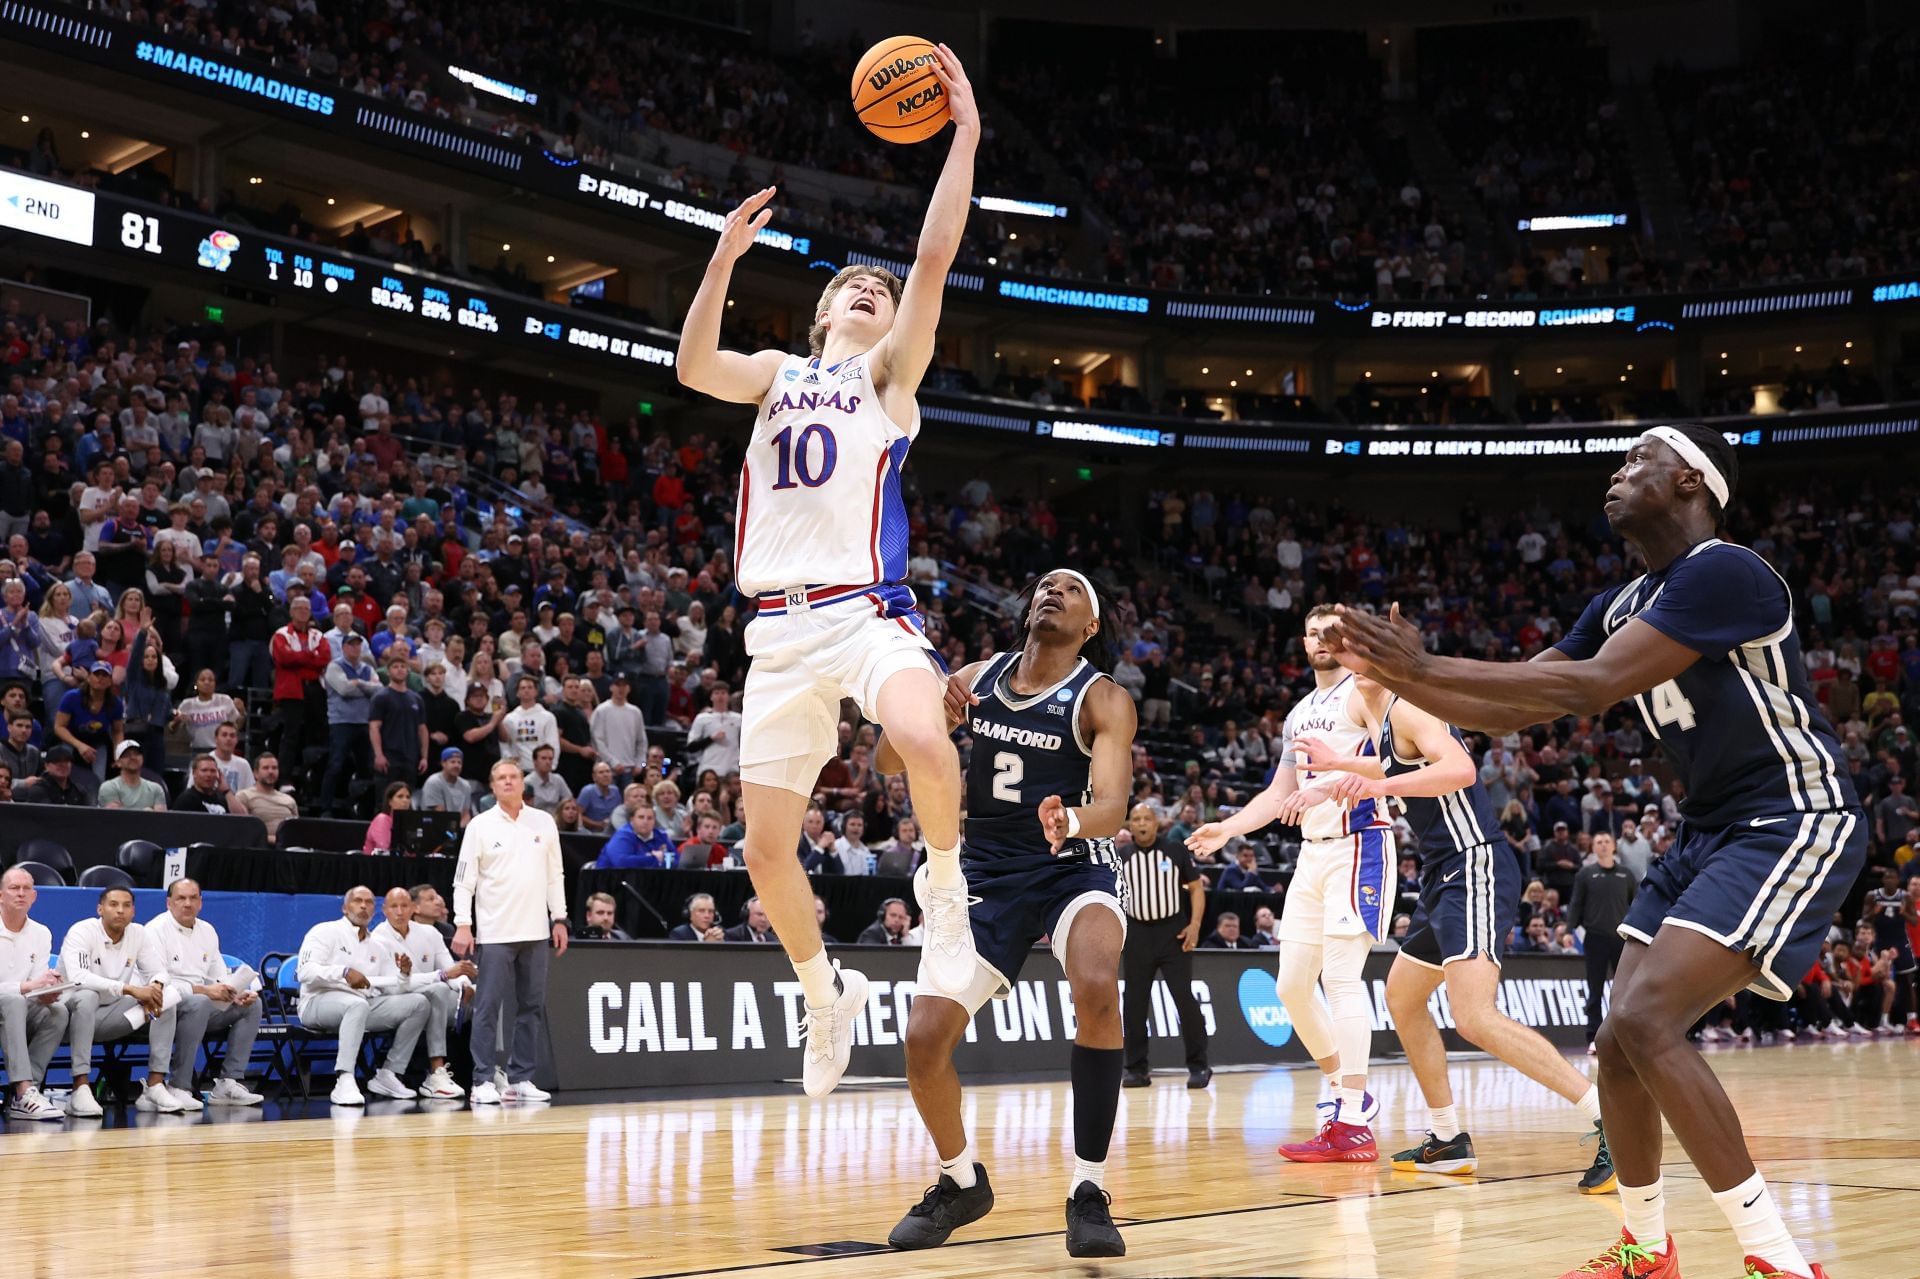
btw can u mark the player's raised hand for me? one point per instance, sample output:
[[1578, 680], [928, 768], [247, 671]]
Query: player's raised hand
[[953, 78], [1386, 647], [1053, 822], [959, 697], [745, 222], [1207, 839], [1295, 805]]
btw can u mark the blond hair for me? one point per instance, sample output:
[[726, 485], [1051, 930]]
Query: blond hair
[[817, 334]]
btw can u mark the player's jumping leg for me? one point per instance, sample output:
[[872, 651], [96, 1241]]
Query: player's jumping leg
[[962, 1194], [1636, 1143], [834, 998], [1651, 1071], [912, 710], [1472, 985], [1093, 970], [1332, 1041], [1410, 984]]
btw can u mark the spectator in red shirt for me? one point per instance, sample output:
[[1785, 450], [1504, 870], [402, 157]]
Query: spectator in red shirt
[[670, 491], [300, 655], [704, 851]]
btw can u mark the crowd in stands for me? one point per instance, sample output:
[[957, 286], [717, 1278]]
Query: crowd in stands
[[1799, 163], [1530, 116], [1246, 164]]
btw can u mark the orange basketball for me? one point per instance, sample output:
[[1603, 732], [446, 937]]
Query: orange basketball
[[895, 92]]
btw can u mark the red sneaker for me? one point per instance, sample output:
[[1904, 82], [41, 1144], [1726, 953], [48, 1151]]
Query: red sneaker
[[1626, 1259], [1758, 1269], [1336, 1143]]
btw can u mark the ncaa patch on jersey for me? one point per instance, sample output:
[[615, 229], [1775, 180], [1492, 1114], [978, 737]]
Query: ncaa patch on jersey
[[1260, 1004]]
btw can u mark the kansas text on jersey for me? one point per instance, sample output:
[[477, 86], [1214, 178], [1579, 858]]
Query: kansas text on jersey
[[820, 508], [1740, 726], [1327, 713], [1026, 748]]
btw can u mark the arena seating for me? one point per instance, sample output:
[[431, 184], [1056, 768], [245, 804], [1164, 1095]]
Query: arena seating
[[1301, 185]]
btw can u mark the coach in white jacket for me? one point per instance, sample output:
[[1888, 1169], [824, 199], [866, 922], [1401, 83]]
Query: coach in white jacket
[[198, 972], [123, 988], [349, 985], [510, 890], [420, 952], [31, 1024]]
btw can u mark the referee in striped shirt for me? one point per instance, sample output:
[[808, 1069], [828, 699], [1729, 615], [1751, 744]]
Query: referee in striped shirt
[[1161, 934]]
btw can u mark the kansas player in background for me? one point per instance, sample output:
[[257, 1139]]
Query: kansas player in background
[[1703, 644], [1049, 729], [822, 545], [1336, 905], [1469, 894]]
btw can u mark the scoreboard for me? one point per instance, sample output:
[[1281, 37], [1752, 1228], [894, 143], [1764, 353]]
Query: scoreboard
[[229, 253]]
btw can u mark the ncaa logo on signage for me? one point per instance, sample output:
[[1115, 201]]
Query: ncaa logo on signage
[[1260, 1005]]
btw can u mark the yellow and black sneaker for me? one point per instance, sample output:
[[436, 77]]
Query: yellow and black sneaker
[[1454, 1156], [1599, 1179]]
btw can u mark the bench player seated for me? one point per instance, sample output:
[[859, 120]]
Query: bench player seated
[[1046, 722]]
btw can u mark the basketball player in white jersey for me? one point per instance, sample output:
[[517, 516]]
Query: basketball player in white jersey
[[1337, 904], [822, 545]]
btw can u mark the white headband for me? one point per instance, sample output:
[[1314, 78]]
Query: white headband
[[1693, 456], [1093, 596]]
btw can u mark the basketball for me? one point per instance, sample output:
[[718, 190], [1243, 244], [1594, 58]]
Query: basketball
[[895, 92]]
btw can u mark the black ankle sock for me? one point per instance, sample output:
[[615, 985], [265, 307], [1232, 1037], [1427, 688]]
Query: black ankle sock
[[1096, 1099]]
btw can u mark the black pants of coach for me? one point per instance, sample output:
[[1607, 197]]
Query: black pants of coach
[[1155, 947], [1603, 956]]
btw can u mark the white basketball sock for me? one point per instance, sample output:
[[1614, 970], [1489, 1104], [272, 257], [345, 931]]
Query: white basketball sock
[[1589, 1104], [1444, 1122], [943, 867], [1646, 1212], [960, 1168], [1086, 1170], [817, 980], [1756, 1223]]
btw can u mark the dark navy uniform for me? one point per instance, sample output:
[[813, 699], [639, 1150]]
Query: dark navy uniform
[[1025, 749], [1773, 836], [1469, 875], [1888, 912]]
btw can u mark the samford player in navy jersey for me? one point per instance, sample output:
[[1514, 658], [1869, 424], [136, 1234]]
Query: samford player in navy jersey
[[1889, 909], [1047, 789], [821, 546], [1469, 891], [1703, 644]]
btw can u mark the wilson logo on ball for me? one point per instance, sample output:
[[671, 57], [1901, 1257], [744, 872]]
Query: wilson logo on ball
[[886, 75]]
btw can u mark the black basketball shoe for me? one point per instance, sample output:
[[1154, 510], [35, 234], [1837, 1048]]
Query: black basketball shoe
[[944, 1209], [1090, 1229], [1453, 1156], [1599, 1179]]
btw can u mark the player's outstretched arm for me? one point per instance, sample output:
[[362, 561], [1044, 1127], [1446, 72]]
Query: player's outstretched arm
[[1450, 769], [1109, 721], [700, 363], [903, 354], [1269, 806], [1501, 697]]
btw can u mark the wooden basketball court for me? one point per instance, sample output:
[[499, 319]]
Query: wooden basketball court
[[746, 1185]]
